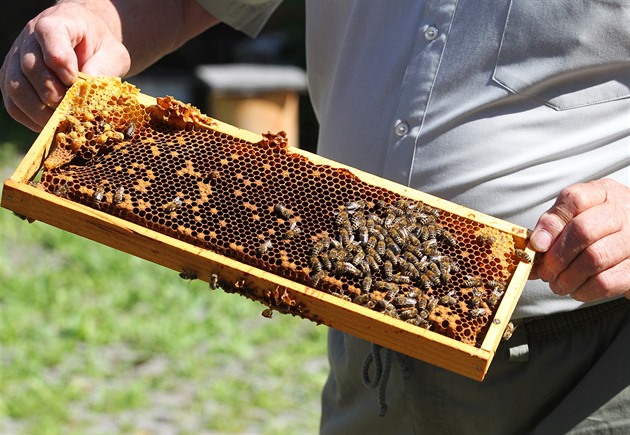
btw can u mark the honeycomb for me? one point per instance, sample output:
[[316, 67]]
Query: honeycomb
[[164, 167]]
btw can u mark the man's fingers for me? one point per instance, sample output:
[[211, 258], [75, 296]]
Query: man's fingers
[[597, 258], [570, 202], [612, 282], [22, 102], [16, 113], [579, 235], [49, 89]]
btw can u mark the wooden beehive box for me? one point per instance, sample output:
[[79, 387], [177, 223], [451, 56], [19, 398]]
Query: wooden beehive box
[[270, 266]]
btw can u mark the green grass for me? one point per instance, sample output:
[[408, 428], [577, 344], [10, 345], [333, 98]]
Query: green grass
[[96, 341]]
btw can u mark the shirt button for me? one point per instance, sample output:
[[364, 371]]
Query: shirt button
[[431, 33], [401, 128]]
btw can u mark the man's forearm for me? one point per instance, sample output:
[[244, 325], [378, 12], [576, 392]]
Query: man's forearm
[[149, 29]]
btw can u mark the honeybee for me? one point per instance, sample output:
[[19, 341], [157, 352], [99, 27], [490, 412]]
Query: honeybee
[[494, 297], [363, 299], [325, 260], [119, 196], [62, 190], [423, 218], [522, 256], [392, 245], [405, 301], [380, 204], [423, 314], [264, 247], [380, 247], [416, 250], [356, 205], [421, 302], [385, 286], [357, 220], [366, 284], [336, 254], [401, 204], [449, 298], [372, 263], [344, 236], [358, 258], [399, 235], [472, 282], [188, 274], [435, 269], [316, 277], [411, 271], [449, 238], [99, 194], [400, 279], [388, 269], [509, 330], [485, 240], [282, 211], [267, 312], [176, 203], [364, 266], [345, 267], [412, 239], [432, 211], [383, 305], [425, 282], [477, 312], [364, 236], [432, 303], [370, 222], [342, 220], [317, 247], [293, 231], [430, 247], [213, 282], [212, 177], [130, 130], [494, 285], [316, 265], [393, 258], [389, 220], [433, 277], [444, 263], [287, 299], [408, 314], [476, 298]]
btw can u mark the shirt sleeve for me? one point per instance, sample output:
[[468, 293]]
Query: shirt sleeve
[[247, 16]]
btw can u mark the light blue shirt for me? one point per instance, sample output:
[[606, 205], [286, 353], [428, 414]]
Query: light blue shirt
[[495, 105]]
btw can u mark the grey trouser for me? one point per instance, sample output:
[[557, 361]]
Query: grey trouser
[[564, 373]]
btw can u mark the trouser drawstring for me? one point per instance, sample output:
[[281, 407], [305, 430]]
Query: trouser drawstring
[[382, 370]]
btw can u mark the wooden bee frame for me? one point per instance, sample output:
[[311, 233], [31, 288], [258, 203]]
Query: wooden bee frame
[[468, 360]]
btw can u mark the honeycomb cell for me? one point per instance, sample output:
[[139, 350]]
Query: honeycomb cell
[[164, 167]]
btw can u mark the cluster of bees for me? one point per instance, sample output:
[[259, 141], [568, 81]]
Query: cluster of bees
[[394, 252]]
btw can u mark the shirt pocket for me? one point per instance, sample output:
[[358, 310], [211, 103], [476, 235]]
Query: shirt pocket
[[567, 54]]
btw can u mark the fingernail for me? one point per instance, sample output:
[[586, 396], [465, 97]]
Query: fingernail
[[540, 240]]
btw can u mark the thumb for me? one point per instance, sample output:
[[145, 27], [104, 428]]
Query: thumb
[[111, 60], [571, 201]]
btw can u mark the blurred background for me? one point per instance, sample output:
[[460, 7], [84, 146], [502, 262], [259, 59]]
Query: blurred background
[[93, 340]]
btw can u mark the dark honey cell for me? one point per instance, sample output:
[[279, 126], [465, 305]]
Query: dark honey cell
[[269, 208]]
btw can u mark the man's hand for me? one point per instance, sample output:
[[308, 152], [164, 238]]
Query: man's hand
[[585, 237], [49, 53], [75, 36]]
